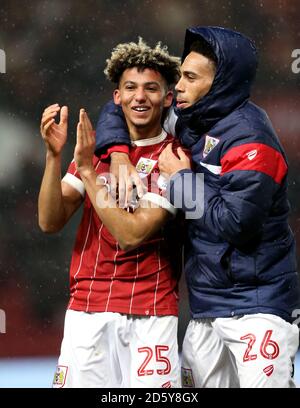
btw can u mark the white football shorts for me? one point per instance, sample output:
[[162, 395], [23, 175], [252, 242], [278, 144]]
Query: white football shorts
[[248, 351], [113, 350]]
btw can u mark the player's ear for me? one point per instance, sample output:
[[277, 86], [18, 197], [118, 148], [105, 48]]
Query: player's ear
[[117, 97], [168, 99]]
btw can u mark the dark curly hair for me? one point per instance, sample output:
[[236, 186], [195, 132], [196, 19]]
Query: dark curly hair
[[140, 55]]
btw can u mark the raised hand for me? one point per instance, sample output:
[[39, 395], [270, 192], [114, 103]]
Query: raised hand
[[54, 134], [85, 146]]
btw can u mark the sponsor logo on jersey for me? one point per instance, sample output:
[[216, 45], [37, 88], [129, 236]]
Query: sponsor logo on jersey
[[187, 377], [210, 143], [60, 376], [251, 155], [145, 166]]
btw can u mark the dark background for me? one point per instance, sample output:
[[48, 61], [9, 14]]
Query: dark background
[[56, 52]]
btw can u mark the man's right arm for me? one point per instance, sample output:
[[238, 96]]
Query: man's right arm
[[57, 200], [112, 130]]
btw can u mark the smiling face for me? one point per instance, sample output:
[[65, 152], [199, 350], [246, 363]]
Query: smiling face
[[143, 94], [197, 76]]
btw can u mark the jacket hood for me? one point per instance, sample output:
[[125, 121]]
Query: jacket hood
[[236, 69]]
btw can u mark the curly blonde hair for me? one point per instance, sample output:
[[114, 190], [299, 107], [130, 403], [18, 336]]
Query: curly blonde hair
[[140, 55]]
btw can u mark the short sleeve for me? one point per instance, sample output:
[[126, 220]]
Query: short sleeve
[[72, 178]]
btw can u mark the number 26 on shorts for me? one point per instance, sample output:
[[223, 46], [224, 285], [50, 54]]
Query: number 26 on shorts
[[270, 354]]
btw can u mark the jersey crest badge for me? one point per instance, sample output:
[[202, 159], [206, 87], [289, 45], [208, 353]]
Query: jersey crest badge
[[187, 378], [210, 143], [145, 166], [60, 376]]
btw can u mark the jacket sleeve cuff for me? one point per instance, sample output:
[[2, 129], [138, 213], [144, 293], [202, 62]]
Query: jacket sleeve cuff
[[115, 149]]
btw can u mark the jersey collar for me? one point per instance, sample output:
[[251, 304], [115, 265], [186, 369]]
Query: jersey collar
[[151, 141]]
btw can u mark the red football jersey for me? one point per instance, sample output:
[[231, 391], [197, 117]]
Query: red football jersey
[[105, 278]]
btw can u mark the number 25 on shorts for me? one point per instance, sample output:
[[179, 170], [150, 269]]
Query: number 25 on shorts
[[159, 358]]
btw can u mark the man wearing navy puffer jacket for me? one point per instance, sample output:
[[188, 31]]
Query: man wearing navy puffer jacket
[[240, 258]]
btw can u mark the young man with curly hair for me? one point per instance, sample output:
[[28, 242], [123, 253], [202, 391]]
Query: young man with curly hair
[[121, 322]]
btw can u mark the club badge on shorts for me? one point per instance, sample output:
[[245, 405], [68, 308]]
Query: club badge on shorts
[[187, 378], [60, 376], [210, 143], [145, 166]]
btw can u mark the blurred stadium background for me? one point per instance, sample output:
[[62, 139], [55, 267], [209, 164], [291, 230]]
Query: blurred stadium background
[[55, 52]]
